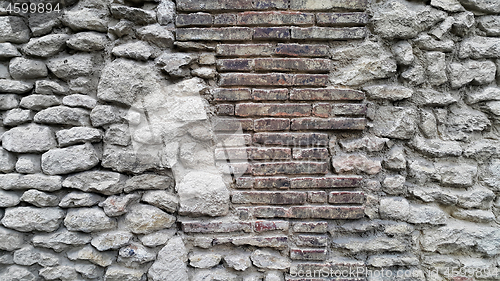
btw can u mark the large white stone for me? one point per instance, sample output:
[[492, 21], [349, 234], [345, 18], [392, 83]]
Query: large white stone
[[27, 219], [69, 160], [88, 220], [170, 264], [144, 219], [29, 139], [104, 182]]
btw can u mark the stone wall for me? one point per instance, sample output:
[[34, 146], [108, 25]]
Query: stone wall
[[297, 140]]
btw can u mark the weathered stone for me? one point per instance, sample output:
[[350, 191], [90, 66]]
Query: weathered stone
[[39, 198], [80, 199], [86, 19], [156, 35], [477, 72], [394, 185], [14, 30], [139, 16], [14, 87], [477, 198], [175, 64], [29, 256], [430, 97], [104, 182], [78, 135], [204, 72], [17, 273], [376, 244], [461, 121], [47, 87], [89, 270], [448, 5], [356, 163], [170, 264], [10, 240], [135, 254], [238, 262], [217, 273], [420, 214], [480, 216], [457, 175], [395, 208], [201, 260], [16, 117], [8, 102], [7, 161], [45, 46], [92, 255], [78, 100], [88, 220], [392, 260], [487, 94], [428, 124], [61, 240], [144, 219], [268, 259], [436, 148], [7, 50], [29, 139], [422, 170], [161, 199], [72, 66], [127, 159], [202, 193], [117, 205], [111, 240], [29, 164], [122, 28], [486, 6], [69, 160], [478, 47], [489, 24], [27, 219], [157, 238], [388, 92], [136, 50], [403, 53], [165, 12], [483, 149], [492, 175], [429, 43], [121, 273], [34, 181], [395, 122], [104, 115], [370, 143], [87, 41], [117, 134], [39, 102], [492, 107], [9, 199], [62, 272], [21, 68]]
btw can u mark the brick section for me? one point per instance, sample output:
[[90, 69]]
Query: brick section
[[346, 198], [244, 183], [272, 79], [341, 109], [225, 19], [326, 182], [310, 153], [214, 34], [262, 226], [273, 109], [292, 64], [328, 124], [225, 109], [311, 240], [270, 33], [232, 94], [269, 153], [317, 197], [270, 198], [322, 110], [290, 168], [269, 95], [244, 50], [326, 94], [275, 18], [232, 124], [326, 212], [271, 241], [219, 5], [270, 212], [271, 124], [235, 65], [271, 183], [342, 19], [197, 19], [216, 227], [299, 139], [308, 254], [310, 227], [327, 4], [302, 50], [328, 33]]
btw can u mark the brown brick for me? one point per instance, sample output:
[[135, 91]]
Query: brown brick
[[326, 94], [232, 124], [322, 110], [271, 183], [225, 109], [269, 212], [326, 182], [328, 4], [197, 19], [225, 19], [234, 94], [271, 33], [228, 140], [214, 34], [310, 80], [269, 197], [302, 50], [271, 124], [326, 212], [311, 240], [310, 153], [235, 65], [275, 18], [263, 242], [272, 94], [216, 227], [271, 4], [328, 33], [244, 183], [342, 19], [244, 50], [270, 153], [317, 197], [308, 254], [346, 197], [328, 124], [262, 226], [272, 79], [302, 139], [290, 168], [310, 227], [340, 109], [273, 109], [292, 64]]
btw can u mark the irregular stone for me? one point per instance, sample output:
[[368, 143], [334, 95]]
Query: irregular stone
[[29, 256], [135, 254], [83, 85], [480, 216], [209, 260], [356, 163], [69, 160], [136, 15], [43, 23], [489, 24], [403, 53], [439, 31], [457, 175], [436, 148], [27, 219], [7, 161], [175, 64], [86, 19], [448, 5], [111, 240], [39, 102], [34, 181], [268, 259], [7, 50], [396, 208], [429, 43], [61, 240], [117, 205], [122, 28], [136, 50], [157, 238], [377, 244], [477, 72], [492, 107], [165, 12], [8, 199], [238, 262], [121, 273], [77, 135], [144, 219], [428, 124], [273, 276], [478, 47], [460, 121], [104, 114], [87, 41], [430, 97], [71, 66], [420, 214], [89, 270], [370, 143], [14, 30], [127, 159], [92, 255], [17, 273], [78, 100], [492, 175], [483, 149], [8, 102], [214, 274], [488, 94], [39, 198], [21, 68], [63, 115], [45, 46], [394, 185], [88, 220], [104, 182], [477, 198], [62, 272], [17, 116], [491, 7], [80, 199], [170, 264], [436, 68], [46, 87], [202, 193], [15, 87], [395, 122], [117, 134], [10, 240], [388, 92], [392, 260], [29, 164], [204, 72]]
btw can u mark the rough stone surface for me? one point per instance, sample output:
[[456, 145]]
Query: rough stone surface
[[88, 220], [45, 46], [144, 219], [27, 219], [29, 139], [104, 182], [170, 263], [68, 160]]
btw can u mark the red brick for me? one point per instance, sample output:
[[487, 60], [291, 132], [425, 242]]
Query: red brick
[[322, 110], [228, 140], [290, 168], [270, 153], [345, 197], [262, 226], [302, 50], [234, 94], [326, 182], [328, 33], [272, 79], [275, 18], [310, 227], [269, 197], [225, 109], [326, 212], [299, 139], [328, 124], [340, 109], [216, 227], [292, 64], [214, 34], [197, 19], [328, 4], [244, 183], [310, 80], [342, 19], [308, 254], [271, 183], [271, 124], [317, 197], [271, 33], [326, 94], [271, 94], [244, 50], [235, 65], [310, 153], [225, 19], [232, 124], [311, 240], [273, 109], [269, 212]]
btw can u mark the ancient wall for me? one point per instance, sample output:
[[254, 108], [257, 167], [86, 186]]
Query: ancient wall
[[246, 140]]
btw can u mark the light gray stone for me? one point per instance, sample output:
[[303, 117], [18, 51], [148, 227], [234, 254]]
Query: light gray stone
[[274, 276], [170, 264], [45, 46], [149, 182], [204, 72], [448, 5], [117, 134], [71, 66], [425, 214], [104, 115], [422, 171], [161, 199], [69, 160], [460, 121], [61, 272], [9, 199], [47, 87], [492, 107], [218, 273], [87, 41], [92, 255], [463, 23], [17, 273], [10, 240], [394, 208], [15, 87], [492, 175], [429, 43], [14, 30], [86, 19], [486, 6], [145, 219], [205, 260], [89, 270], [457, 175], [7, 161], [395, 122], [83, 85], [441, 30], [17, 116], [80, 199], [61, 240], [238, 262], [122, 28], [156, 35], [268, 259], [394, 185], [392, 93], [436, 68], [436, 147], [130, 160], [375, 244], [78, 100], [487, 94], [27, 219], [111, 240], [136, 50], [482, 149], [8, 101], [121, 273], [477, 72], [165, 12], [7, 50], [157, 238], [88, 220], [34, 181], [39, 198], [29, 164], [369, 143], [104, 182], [175, 64], [356, 163], [480, 216], [39, 102], [489, 24], [29, 256], [117, 205], [429, 97], [479, 197], [478, 47], [77, 135], [135, 254], [136, 15], [21, 68], [63, 115]]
